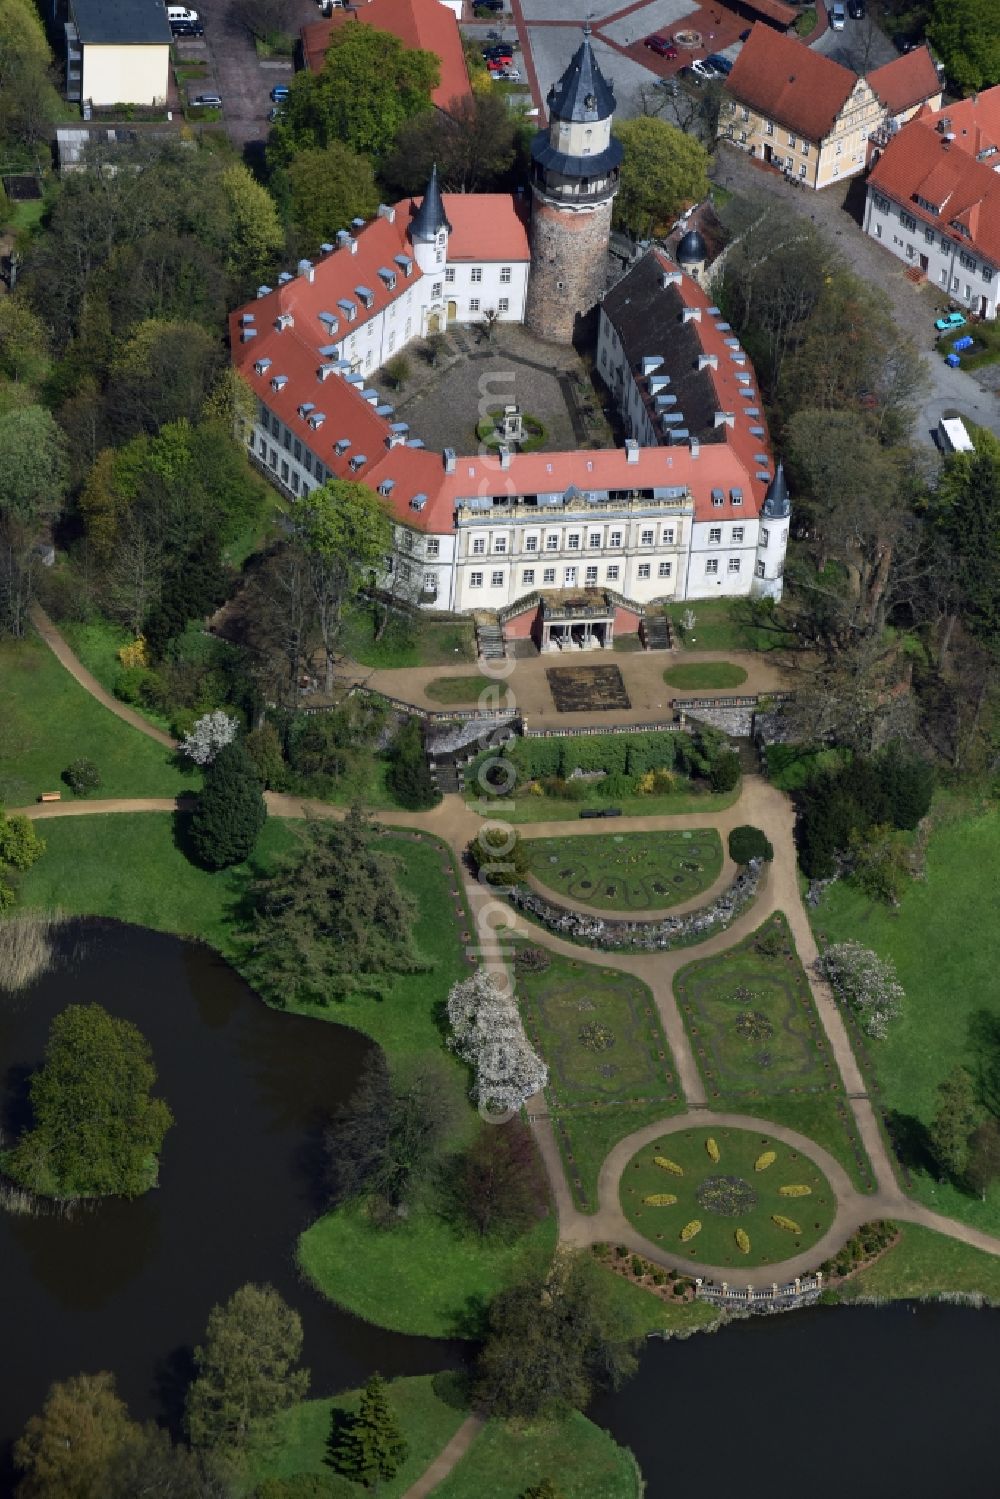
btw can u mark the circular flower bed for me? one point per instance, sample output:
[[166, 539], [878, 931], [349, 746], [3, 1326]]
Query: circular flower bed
[[729, 1196], [756, 1201]]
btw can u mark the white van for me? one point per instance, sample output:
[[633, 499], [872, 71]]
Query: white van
[[181, 13]]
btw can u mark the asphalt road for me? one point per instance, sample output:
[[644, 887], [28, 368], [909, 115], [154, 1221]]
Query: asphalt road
[[861, 46]]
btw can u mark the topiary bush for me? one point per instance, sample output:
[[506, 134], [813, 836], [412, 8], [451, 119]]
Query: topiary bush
[[746, 843], [724, 774]]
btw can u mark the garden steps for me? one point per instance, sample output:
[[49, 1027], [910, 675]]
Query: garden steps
[[655, 632], [489, 641]]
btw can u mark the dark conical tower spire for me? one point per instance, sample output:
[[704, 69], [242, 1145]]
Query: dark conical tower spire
[[583, 94], [777, 501], [430, 218]]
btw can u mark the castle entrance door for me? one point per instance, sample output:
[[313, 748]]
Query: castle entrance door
[[452, 311]]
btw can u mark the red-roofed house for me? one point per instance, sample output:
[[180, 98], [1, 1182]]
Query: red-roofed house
[[567, 546], [934, 199], [906, 84], [427, 24], [798, 110]]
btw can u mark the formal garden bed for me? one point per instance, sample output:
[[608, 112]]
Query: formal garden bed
[[467, 690], [628, 871], [727, 1197], [610, 1068]]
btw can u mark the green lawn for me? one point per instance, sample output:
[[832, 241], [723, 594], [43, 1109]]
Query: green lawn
[[727, 625], [466, 690], [610, 1068], [428, 1408], [708, 674], [823, 1117], [47, 720], [523, 807], [97, 643], [726, 1196], [925, 1263], [628, 871], [507, 1457], [407, 642], [643, 1312], [945, 942], [426, 1276]]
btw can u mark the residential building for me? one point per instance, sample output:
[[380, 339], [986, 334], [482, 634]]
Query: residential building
[[117, 52], [567, 547], [934, 199], [798, 110], [905, 85], [427, 24]]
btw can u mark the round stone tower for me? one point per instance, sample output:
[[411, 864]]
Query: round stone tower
[[574, 177]]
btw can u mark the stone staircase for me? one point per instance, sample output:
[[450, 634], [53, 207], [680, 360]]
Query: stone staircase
[[655, 632], [489, 640]]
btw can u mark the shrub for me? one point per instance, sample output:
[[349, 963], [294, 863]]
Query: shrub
[[211, 733], [136, 653], [788, 1224], [690, 1230], [488, 1034], [531, 960], [82, 776], [659, 1279], [865, 983], [660, 1200], [607, 752], [651, 752], [724, 773], [637, 1266], [746, 843], [498, 857], [230, 812], [795, 1191], [770, 943], [712, 1149], [668, 1165], [264, 748], [742, 1241], [880, 863], [615, 786], [129, 683], [767, 1158]]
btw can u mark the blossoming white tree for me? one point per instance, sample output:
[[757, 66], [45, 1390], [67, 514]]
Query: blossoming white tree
[[212, 732], [864, 982], [488, 1034]]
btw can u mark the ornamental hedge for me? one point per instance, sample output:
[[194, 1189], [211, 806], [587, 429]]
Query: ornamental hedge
[[746, 843]]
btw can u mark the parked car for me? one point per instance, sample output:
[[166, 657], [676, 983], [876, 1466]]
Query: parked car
[[187, 28], [181, 13], [206, 101], [856, 9], [703, 70], [279, 93], [661, 45], [949, 321], [838, 17], [509, 75], [722, 65], [501, 50]]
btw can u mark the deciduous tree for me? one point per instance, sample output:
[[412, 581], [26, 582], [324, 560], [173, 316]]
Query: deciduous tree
[[472, 144], [256, 237], [66, 1451], [501, 1183], [246, 1368], [663, 169], [96, 1128], [982, 1166], [955, 1117], [328, 186]]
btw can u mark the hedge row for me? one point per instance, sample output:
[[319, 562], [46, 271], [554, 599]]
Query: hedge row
[[622, 754]]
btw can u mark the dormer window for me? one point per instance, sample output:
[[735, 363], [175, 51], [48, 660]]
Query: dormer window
[[365, 296], [388, 277], [284, 320], [358, 461], [341, 446], [278, 382], [316, 419], [262, 366], [348, 308]]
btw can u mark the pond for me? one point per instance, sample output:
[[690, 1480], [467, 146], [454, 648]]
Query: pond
[[128, 1286], [869, 1402]]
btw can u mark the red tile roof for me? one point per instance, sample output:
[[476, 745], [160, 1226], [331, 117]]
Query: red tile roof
[[785, 81], [775, 10], [920, 162], [426, 24], [295, 352], [906, 81]]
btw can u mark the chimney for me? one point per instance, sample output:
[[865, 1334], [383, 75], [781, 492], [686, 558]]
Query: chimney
[[449, 460], [385, 212], [504, 454], [306, 269], [631, 450]]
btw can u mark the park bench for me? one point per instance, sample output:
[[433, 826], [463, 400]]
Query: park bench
[[50, 796]]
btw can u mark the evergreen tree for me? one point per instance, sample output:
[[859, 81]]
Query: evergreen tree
[[97, 1131], [246, 1368], [371, 1448], [410, 779], [954, 1120], [331, 918], [230, 812]]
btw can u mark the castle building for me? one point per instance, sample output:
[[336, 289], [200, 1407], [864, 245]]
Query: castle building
[[575, 166], [567, 547]]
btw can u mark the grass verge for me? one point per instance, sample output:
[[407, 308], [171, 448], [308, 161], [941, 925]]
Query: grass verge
[[945, 942], [523, 808], [47, 720], [926, 1264], [506, 1458], [406, 641], [428, 1408], [642, 1313]]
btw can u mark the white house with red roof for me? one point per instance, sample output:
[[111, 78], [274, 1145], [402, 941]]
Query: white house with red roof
[[566, 546], [934, 199]]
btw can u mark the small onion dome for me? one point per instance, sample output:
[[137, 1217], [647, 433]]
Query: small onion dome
[[692, 249]]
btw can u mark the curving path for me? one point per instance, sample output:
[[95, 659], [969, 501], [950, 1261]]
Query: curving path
[[760, 804]]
